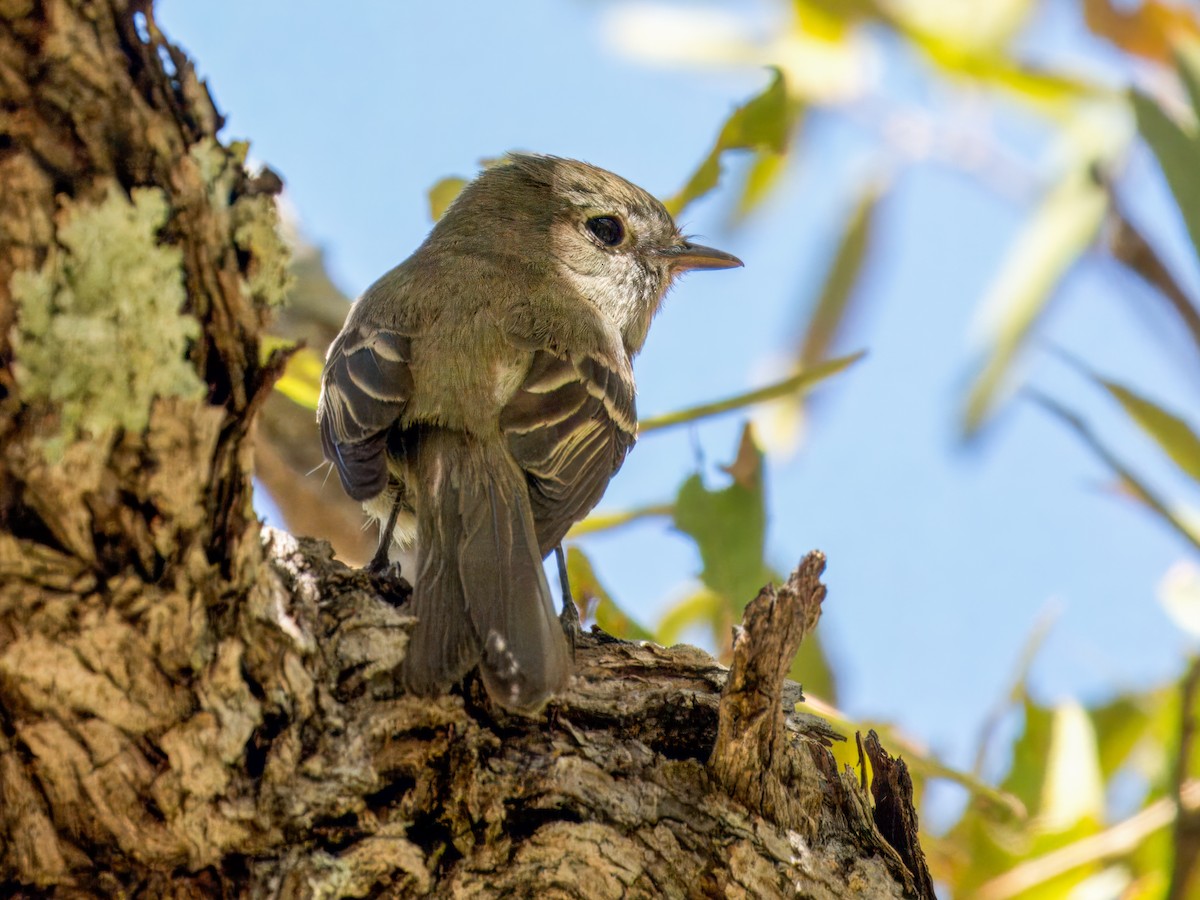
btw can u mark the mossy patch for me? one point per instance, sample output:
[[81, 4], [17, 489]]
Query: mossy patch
[[256, 231], [100, 333], [255, 220]]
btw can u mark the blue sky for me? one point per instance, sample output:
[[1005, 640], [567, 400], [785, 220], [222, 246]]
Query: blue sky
[[940, 558]]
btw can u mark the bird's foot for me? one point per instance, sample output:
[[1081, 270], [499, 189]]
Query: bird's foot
[[569, 619], [389, 581]]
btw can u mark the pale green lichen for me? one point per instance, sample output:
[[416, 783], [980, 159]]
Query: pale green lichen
[[256, 230], [255, 220], [99, 331]]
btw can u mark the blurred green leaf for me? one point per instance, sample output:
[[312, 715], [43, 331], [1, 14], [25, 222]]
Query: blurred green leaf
[[1063, 226], [978, 28], [1151, 861], [1121, 725], [1073, 789], [762, 179], [1027, 775], [834, 301], [1187, 61], [843, 10], [729, 527], [701, 608], [1049, 90], [1178, 153], [586, 588], [1018, 686], [443, 193], [1134, 484], [1172, 434], [966, 43], [811, 669], [793, 384], [762, 123], [602, 521]]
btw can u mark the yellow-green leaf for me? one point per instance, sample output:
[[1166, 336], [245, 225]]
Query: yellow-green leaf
[[586, 588], [797, 384], [301, 380], [762, 123], [1172, 434], [442, 194], [1121, 725], [762, 178], [700, 608], [606, 521], [1062, 228], [834, 301], [1187, 61], [1073, 790]]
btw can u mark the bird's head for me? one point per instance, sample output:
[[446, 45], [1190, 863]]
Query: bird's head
[[615, 243]]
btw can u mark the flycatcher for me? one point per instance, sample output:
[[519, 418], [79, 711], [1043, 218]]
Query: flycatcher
[[480, 396]]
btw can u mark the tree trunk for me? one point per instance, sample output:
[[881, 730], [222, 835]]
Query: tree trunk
[[192, 707]]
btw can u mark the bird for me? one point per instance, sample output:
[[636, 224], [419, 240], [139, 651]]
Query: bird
[[480, 397]]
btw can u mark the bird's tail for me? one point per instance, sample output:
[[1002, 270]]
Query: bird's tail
[[480, 593]]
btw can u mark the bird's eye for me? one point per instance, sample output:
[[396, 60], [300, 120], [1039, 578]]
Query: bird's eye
[[608, 230]]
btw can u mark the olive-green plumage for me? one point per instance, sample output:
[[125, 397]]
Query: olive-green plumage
[[483, 389]]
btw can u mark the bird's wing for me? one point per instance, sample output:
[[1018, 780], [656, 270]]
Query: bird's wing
[[364, 390], [569, 426]]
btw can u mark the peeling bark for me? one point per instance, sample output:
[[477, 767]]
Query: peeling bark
[[190, 707]]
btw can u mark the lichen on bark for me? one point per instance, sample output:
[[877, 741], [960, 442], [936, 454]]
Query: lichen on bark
[[99, 330]]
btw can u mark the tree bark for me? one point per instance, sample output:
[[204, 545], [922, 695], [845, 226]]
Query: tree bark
[[192, 706]]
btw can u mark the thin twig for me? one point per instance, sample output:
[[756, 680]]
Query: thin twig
[[1130, 248], [1136, 485], [605, 521], [791, 385], [1037, 637]]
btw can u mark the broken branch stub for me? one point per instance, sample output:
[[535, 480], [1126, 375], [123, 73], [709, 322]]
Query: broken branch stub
[[754, 757], [894, 813]]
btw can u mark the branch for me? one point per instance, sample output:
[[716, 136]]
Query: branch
[[793, 385]]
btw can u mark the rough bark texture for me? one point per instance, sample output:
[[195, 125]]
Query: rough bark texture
[[190, 709], [895, 815]]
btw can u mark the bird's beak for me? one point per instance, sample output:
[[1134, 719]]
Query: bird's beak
[[687, 256]]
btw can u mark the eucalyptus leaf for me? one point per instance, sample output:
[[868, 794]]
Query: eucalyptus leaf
[[763, 123], [1061, 229], [1178, 153], [838, 290]]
